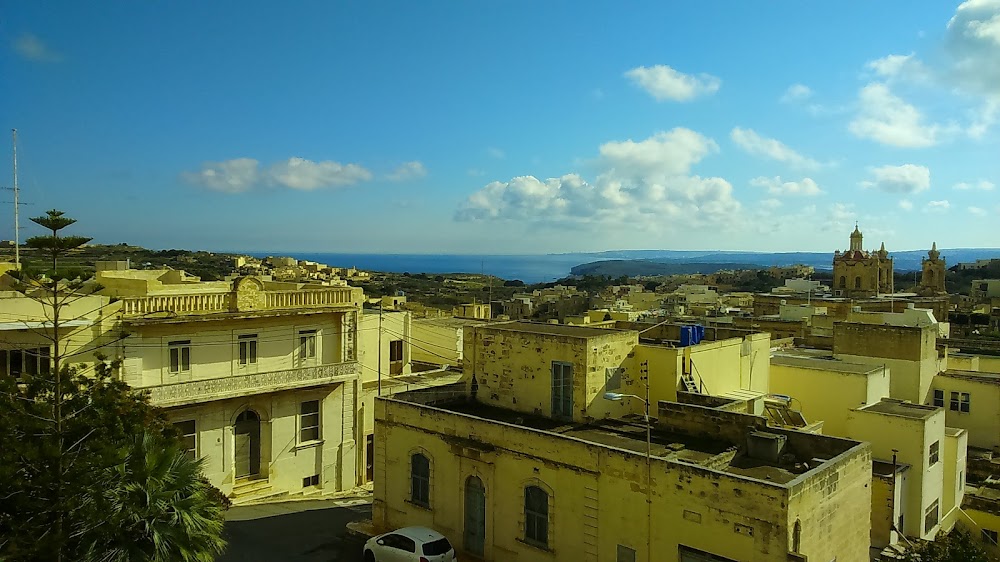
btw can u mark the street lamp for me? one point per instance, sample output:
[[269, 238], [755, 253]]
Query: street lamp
[[618, 397]]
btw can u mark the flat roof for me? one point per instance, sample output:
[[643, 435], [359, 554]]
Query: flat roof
[[450, 322], [629, 433], [884, 468], [35, 325], [554, 329], [977, 376], [899, 408], [825, 363]]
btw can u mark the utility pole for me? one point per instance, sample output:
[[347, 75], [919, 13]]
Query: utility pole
[[649, 474], [380, 348]]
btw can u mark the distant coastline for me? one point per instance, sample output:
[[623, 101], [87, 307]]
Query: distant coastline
[[544, 268], [527, 268]]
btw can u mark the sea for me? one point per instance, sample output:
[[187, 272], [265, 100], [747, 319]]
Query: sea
[[537, 268]]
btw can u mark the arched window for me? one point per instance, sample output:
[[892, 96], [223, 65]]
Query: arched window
[[843, 282], [857, 282], [536, 516], [420, 480]]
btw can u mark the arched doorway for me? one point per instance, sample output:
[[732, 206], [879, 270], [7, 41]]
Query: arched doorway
[[475, 516], [247, 433]]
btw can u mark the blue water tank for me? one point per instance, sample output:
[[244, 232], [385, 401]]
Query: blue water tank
[[700, 331], [687, 334]]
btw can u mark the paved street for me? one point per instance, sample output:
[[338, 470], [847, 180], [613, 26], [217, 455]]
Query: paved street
[[299, 531]]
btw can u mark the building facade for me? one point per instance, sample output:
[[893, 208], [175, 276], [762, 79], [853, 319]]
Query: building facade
[[260, 378], [526, 459], [932, 273], [861, 273]]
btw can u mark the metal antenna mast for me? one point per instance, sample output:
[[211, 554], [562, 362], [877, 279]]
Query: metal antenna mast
[[17, 209]]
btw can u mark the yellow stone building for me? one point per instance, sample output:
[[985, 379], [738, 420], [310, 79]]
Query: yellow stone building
[[861, 273], [261, 378], [526, 459], [932, 273]]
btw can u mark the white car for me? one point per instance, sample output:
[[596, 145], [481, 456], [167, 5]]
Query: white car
[[409, 544]]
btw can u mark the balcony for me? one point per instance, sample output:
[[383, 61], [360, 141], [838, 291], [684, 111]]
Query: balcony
[[247, 295], [206, 390]]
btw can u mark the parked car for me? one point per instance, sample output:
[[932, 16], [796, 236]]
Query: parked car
[[409, 544]]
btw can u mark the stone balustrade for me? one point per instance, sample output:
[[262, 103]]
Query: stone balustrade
[[180, 304], [203, 303], [204, 390], [334, 296]]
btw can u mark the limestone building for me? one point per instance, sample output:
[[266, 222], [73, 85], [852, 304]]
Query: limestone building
[[932, 274], [861, 273], [527, 458], [261, 378]]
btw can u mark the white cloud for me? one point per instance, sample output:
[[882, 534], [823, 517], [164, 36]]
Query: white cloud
[[840, 216], [903, 67], [243, 174], [408, 171], [770, 203], [982, 185], [32, 48], [753, 143], [231, 176], [774, 186], [887, 119], [973, 41], [796, 93], [643, 184], [908, 178], [494, 152], [937, 206], [978, 211], [666, 84], [983, 118], [663, 154], [306, 175], [906, 204]]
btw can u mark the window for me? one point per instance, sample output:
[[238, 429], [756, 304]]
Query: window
[[310, 481], [30, 361], [307, 344], [960, 402], [625, 554], [843, 282], [248, 349], [930, 517], [989, 537], [436, 548], [309, 421], [396, 350], [939, 398], [405, 544], [180, 356], [933, 453], [857, 282], [536, 516], [186, 430], [420, 480], [562, 390]]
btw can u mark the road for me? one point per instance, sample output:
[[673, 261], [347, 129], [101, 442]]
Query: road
[[300, 531]]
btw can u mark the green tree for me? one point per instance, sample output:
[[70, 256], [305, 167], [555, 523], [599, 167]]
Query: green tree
[[158, 507], [63, 437], [956, 546]]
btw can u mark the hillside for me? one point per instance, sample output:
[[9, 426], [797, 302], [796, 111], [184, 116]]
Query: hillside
[[667, 262]]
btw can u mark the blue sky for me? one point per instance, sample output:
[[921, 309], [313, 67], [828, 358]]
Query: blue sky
[[507, 127]]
